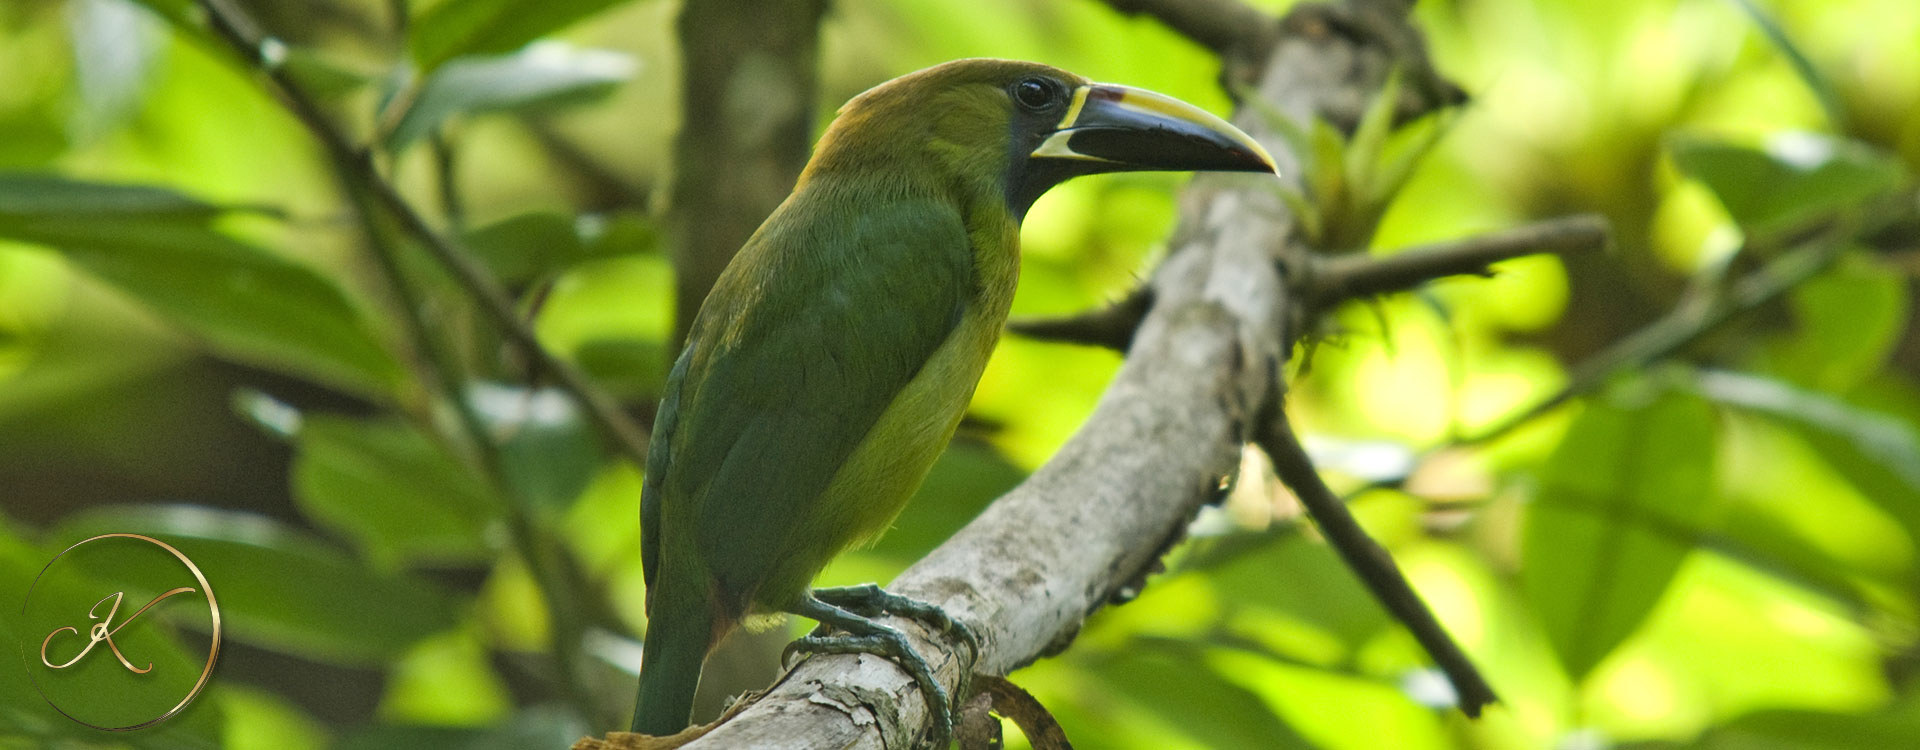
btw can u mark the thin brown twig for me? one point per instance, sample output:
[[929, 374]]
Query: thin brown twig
[[356, 165], [1370, 562], [1330, 280], [1112, 326]]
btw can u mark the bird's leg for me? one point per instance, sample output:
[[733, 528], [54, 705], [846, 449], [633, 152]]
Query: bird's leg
[[864, 636], [870, 600]]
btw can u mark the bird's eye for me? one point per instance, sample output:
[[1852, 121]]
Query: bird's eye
[[1033, 93]]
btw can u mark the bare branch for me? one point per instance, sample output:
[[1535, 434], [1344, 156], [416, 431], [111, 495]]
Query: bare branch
[[1112, 326], [1338, 278], [1370, 562]]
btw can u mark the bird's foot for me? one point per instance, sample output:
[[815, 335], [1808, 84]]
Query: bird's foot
[[864, 636], [869, 600]]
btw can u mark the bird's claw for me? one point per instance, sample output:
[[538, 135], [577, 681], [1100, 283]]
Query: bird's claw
[[869, 600], [851, 609], [892, 644]]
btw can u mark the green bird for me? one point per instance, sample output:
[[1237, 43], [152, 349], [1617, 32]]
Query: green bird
[[836, 354]]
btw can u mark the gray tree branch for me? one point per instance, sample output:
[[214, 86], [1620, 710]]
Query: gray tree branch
[[1330, 280]]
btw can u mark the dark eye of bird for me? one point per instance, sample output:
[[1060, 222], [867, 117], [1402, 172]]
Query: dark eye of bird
[[1033, 93]]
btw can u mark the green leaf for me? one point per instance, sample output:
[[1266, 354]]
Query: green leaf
[[632, 369], [455, 28], [1173, 678], [1619, 501], [1369, 141], [534, 246], [1795, 179], [242, 301], [1803, 67], [548, 452], [1812, 730], [1846, 324], [282, 589], [542, 76], [398, 495], [1877, 446], [323, 76], [31, 197], [1317, 588], [180, 13]]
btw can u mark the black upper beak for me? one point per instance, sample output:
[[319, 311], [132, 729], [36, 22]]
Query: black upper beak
[[1118, 128]]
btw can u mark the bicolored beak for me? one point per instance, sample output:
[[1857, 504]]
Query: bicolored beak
[[1118, 128]]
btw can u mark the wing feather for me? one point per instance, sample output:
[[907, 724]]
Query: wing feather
[[803, 345]]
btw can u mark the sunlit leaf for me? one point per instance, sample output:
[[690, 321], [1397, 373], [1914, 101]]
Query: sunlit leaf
[[1796, 178], [398, 495], [1846, 322], [1877, 447], [446, 679], [1300, 578], [260, 720], [489, 27], [1618, 500], [1173, 678], [280, 588], [543, 75], [158, 247], [1802, 66], [1369, 140]]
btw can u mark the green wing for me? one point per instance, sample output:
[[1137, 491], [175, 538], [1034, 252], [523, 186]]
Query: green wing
[[803, 344]]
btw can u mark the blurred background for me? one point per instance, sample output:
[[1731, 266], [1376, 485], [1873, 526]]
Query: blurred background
[[1711, 544]]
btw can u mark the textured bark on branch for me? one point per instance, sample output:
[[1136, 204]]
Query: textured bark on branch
[[1091, 525]]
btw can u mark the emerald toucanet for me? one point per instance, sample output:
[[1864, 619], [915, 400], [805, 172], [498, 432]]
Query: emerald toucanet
[[835, 356]]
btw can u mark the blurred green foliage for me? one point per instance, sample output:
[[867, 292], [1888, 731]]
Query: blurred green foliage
[[1715, 548]]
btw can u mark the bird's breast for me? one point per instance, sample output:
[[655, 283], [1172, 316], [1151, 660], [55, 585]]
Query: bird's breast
[[877, 480]]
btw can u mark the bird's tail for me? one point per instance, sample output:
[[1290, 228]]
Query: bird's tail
[[677, 640]]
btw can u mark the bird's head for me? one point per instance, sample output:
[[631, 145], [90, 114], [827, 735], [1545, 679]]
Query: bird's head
[[1021, 128]]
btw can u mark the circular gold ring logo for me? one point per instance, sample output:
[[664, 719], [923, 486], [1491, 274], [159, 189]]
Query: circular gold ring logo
[[70, 648]]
